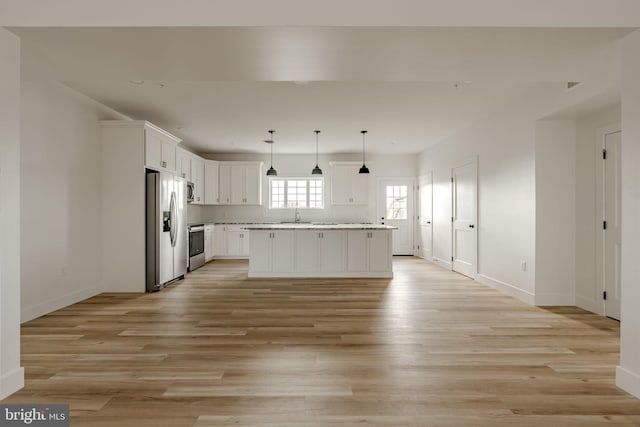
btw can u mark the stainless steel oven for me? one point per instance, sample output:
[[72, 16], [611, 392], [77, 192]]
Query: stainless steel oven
[[196, 246]]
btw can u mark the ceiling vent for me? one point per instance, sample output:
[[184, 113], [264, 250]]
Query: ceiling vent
[[572, 85]]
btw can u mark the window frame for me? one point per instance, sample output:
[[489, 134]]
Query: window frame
[[307, 180]]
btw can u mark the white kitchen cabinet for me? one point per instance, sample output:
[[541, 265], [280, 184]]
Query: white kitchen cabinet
[[332, 251], [307, 250], [211, 188], [183, 163], [125, 150], [197, 177], [159, 148], [261, 252], [219, 240], [237, 241], [240, 183], [246, 183], [369, 250], [320, 251], [208, 242], [348, 186], [224, 183], [273, 251]]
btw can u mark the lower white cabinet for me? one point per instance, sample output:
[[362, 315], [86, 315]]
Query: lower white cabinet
[[273, 251], [219, 240], [320, 253], [230, 241], [208, 242], [368, 251], [237, 241]]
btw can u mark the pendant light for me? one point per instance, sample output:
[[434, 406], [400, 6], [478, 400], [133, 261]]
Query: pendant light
[[270, 141], [316, 170], [364, 168]]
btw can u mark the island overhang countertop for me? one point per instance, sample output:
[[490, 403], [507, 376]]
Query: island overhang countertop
[[318, 226]]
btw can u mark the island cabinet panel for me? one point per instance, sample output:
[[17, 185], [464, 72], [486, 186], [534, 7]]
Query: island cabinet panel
[[261, 252], [357, 250], [379, 250], [332, 251], [283, 251], [320, 252], [271, 251], [307, 251]]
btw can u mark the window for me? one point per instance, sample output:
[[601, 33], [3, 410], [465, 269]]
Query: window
[[289, 193], [396, 202]]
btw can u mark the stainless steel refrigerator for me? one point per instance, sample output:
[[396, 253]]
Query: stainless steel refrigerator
[[167, 254]]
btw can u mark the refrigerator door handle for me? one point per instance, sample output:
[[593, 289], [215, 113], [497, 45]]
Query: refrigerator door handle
[[174, 219]]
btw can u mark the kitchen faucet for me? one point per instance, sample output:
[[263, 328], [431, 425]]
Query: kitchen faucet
[[296, 216]]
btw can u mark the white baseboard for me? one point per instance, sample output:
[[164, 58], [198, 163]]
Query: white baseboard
[[11, 382], [628, 381], [46, 307], [589, 305], [543, 300], [441, 262], [507, 288]]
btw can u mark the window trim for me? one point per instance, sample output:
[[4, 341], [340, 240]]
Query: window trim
[[295, 178]]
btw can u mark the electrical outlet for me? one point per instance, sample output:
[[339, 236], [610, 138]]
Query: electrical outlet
[[523, 265]]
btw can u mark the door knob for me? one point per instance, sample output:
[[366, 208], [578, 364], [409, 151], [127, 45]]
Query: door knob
[[471, 225]]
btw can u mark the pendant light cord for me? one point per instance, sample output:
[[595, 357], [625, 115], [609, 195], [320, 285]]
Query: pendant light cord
[[363, 134]]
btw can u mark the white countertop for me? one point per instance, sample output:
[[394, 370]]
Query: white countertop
[[318, 226]]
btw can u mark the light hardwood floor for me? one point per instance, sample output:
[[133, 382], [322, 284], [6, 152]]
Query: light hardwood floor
[[429, 347]]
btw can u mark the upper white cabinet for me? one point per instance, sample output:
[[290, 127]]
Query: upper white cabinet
[[348, 187], [224, 183], [159, 148], [211, 187], [240, 183], [197, 177], [183, 163]]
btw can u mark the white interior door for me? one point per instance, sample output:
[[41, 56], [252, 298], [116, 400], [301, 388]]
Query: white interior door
[[464, 214], [612, 234], [425, 216], [395, 208]]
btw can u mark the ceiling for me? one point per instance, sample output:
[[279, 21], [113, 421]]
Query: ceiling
[[221, 89]]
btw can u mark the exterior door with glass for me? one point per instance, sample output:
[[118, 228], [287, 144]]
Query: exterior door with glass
[[395, 208]]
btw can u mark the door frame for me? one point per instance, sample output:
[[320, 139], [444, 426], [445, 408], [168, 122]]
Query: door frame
[[419, 215], [411, 191], [474, 160], [601, 134]]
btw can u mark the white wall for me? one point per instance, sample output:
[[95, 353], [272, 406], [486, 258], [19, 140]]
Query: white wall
[[301, 165], [505, 144], [60, 197], [555, 151], [506, 221], [588, 225], [628, 373], [11, 374]]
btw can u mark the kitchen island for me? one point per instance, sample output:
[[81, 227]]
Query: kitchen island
[[320, 250]]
